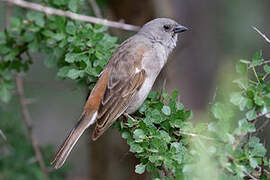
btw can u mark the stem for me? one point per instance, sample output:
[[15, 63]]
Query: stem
[[256, 75], [75, 16], [28, 122]]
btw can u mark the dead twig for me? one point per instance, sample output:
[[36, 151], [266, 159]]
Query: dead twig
[[28, 122], [263, 35], [69, 14]]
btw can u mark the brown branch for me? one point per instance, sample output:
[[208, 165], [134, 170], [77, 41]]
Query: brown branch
[[28, 122], [69, 14], [95, 8], [263, 35]]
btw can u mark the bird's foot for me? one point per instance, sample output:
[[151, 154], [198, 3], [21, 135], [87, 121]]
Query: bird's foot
[[129, 117]]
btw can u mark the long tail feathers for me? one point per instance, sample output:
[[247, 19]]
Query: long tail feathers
[[85, 121]]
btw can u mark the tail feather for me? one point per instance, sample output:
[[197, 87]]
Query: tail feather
[[85, 121]]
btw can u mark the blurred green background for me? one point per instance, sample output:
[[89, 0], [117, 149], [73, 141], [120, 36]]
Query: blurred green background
[[220, 33]]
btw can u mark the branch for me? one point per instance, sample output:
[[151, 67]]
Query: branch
[[95, 8], [197, 135], [69, 14], [28, 122], [3, 135], [263, 35]]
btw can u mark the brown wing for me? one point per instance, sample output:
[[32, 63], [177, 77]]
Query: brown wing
[[116, 100], [126, 77]]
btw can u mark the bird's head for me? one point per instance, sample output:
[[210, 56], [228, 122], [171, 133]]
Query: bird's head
[[164, 31]]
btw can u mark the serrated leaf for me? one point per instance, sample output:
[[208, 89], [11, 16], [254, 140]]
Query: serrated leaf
[[73, 5], [166, 110], [71, 28], [140, 168], [37, 17], [251, 114], [139, 135], [239, 100], [220, 111], [253, 162], [74, 73], [258, 100], [266, 68], [242, 83], [241, 67], [63, 71]]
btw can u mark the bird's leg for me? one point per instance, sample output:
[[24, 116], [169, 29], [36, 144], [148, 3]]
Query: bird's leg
[[129, 117]]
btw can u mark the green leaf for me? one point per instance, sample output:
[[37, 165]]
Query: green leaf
[[242, 83], [266, 68], [74, 73], [220, 111], [4, 49], [166, 110], [139, 135], [239, 100], [258, 100], [71, 28], [63, 71], [12, 54], [140, 168], [71, 57], [241, 67], [135, 148], [253, 162], [251, 114], [73, 5], [257, 59], [15, 23], [37, 17]]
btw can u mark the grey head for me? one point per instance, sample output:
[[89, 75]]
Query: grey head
[[162, 30]]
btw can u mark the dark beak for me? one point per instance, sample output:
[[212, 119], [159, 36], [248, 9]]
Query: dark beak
[[179, 29]]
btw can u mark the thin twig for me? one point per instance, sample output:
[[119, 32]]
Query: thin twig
[[69, 14], [95, 8], [197, 135], [263, 35], [250, 175], [3, 135], [28, 122]]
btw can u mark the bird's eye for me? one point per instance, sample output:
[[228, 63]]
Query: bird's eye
[[167, 27]]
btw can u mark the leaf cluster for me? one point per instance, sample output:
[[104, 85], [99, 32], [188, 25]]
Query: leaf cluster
[[79, 50]]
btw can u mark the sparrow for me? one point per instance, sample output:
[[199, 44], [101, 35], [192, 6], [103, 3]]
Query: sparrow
[[125, 81]]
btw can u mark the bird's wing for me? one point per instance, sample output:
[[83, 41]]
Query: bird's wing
[[126, 78]]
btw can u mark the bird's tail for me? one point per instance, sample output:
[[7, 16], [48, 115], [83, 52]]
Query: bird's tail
[[85, 121]]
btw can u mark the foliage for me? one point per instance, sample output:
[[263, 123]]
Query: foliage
[[155, 138], [79, 50], [166, 142], [170, 147]]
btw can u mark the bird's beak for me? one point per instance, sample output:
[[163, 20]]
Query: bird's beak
[[179, 29]]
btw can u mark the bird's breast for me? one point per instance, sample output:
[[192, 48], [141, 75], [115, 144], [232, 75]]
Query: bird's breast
[[152, 63]]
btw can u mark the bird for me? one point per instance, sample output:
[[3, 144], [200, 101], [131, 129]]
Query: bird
[[125, 81]]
